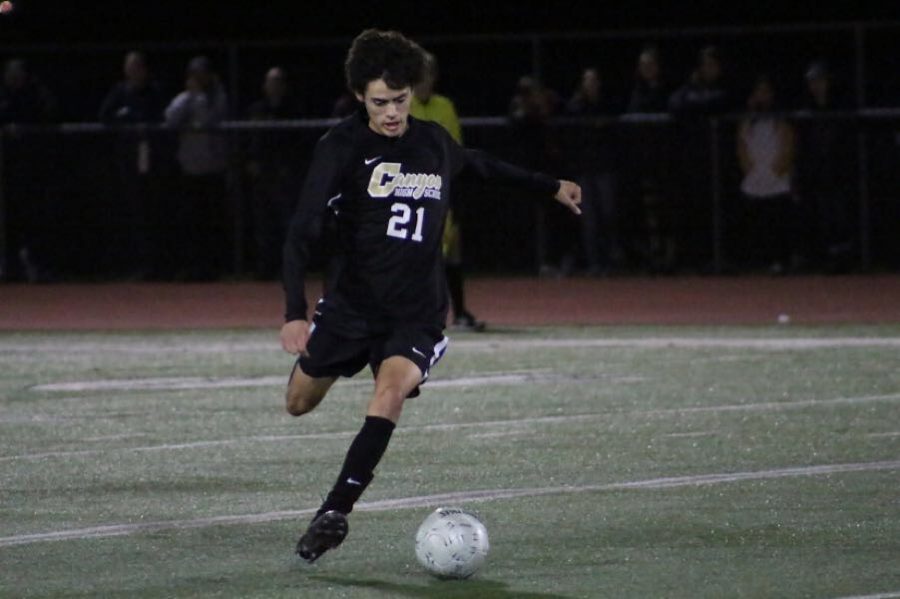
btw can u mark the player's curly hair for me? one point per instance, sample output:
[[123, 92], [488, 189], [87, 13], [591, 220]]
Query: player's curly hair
[[388, 55]]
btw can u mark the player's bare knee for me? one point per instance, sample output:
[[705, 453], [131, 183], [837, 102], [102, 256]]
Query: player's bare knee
[[298, 409], [298, 404], [390, 395], [295, 407]]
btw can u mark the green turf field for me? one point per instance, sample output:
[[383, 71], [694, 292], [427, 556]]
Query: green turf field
[[605, 462]]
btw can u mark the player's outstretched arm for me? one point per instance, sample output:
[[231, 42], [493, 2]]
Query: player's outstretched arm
[[489, 168], [294, 335], [569, 195]]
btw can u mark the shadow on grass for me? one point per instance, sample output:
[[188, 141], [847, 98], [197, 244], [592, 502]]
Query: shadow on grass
[[441, 589]]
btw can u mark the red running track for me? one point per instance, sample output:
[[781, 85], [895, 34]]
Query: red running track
[[499, 301]]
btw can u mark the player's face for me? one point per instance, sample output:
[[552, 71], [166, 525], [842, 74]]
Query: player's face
[[388, 108]]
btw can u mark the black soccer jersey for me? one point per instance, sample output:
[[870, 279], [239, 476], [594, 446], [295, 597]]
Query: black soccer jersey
[[389, 197]]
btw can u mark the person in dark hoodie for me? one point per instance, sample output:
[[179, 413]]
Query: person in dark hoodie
[[650, 93], [25, 100], [593, 146], [273, 157], [826, 170], [704, 95], [133, 101], [650, 216]]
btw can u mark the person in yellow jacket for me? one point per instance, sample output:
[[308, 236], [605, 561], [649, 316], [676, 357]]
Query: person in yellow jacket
[[430, 106]]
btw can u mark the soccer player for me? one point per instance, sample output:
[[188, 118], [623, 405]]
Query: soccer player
[[386, 177]]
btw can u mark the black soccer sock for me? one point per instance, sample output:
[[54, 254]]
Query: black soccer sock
[[455, 287], [364, 454]]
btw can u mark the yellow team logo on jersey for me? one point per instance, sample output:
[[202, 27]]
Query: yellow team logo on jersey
[[388, 180]]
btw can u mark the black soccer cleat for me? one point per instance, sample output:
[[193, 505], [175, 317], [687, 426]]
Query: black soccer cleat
[[325, 532]]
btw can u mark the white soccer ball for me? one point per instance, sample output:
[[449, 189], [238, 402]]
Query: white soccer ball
[[451, 543]]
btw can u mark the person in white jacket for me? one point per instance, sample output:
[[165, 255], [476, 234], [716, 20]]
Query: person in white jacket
[[765, 151], [201, 229]]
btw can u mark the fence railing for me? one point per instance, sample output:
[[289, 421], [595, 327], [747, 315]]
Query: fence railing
[[87, 201]]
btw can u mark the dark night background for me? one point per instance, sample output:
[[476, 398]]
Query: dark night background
[[166, 20], [76, 48]]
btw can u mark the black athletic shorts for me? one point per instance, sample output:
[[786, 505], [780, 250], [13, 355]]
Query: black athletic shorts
[[332, 354]]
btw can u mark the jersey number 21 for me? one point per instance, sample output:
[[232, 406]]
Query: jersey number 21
[[398, 226]]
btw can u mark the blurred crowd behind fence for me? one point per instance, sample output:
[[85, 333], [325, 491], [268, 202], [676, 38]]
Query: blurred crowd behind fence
[[86, 200]]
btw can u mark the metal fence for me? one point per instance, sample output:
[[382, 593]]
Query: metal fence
[[91, 202]]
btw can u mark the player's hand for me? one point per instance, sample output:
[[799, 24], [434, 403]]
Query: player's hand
[[294, 335], [569, 195]]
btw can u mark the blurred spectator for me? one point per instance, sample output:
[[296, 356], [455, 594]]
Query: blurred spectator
[[135, 100], [25, 100], [537, 147], [650, 217], [702, 96], [202, 214], [345, 105], [826, 170], [273, 159], [532, 101], [649, 93], [704, 92], [430, 106], [765, 150], [592, 149]]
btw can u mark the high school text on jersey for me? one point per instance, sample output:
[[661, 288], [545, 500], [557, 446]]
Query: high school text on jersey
[[388, 180]]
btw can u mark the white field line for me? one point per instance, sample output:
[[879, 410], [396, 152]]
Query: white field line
[[497, 434], [891, 434], [723, 358], [449, 498], [184, 383], [162, 384], [177, 446], [776, 405], [761, 343], [890, 595], [746, 407], [689, 435], [114, 437], [193, 346], [25, 418]]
